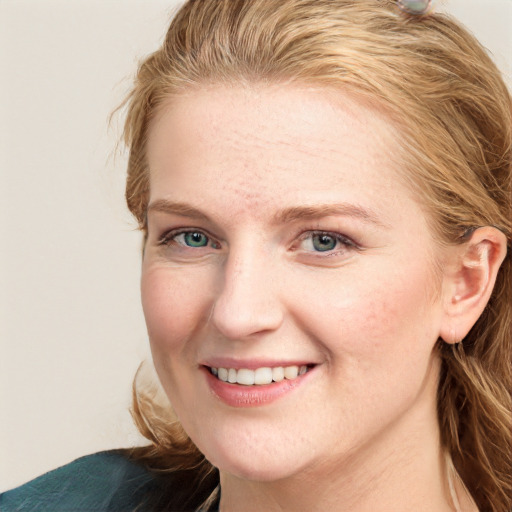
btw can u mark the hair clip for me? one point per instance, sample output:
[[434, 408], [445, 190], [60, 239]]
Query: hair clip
[[416, 7]]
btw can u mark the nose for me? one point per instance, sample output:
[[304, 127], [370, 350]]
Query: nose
[[248, 300]]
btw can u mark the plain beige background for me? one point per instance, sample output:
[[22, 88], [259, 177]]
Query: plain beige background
[[71, 328]]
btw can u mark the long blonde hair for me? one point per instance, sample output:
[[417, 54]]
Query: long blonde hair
[[455, 115]]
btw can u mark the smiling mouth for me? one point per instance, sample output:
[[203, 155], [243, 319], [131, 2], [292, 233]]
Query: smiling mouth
[[259, 376]]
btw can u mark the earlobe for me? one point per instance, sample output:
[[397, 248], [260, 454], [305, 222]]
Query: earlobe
[[470, 280]]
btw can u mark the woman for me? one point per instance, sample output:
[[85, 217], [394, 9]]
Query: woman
[[322, 348]]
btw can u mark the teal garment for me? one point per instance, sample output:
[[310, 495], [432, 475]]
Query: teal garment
[[102, 482]]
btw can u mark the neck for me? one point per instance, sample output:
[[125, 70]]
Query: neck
[[403, 470]]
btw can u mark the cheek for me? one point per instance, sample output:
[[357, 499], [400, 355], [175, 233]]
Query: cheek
[[374, 316], [390, 310], [173, 302], [379, 335]]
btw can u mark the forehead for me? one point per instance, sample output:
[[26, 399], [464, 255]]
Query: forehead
[[271, 144]]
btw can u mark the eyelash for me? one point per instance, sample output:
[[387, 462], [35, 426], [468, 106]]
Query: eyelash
[[341, 240], [169, 238]]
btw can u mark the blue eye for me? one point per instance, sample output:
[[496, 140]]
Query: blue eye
[[326, 242], [195, 239], [188, 239], [323, 242]]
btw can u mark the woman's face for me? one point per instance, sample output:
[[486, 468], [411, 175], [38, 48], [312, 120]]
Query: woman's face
[[282, 241]]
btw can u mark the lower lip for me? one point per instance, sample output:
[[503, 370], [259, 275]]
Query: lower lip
[[237, 395]]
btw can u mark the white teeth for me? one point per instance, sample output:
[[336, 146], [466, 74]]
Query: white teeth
[[291, 372], [278, 374], [245, 377], [263, 376], [260, 376]]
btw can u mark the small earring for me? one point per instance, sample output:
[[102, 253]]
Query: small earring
[[416, 7]]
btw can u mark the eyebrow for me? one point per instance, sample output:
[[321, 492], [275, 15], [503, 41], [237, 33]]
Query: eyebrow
[[173, 208], [292, 214], [296, 213]]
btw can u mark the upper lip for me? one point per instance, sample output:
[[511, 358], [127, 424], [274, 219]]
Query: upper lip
[[253, 364]]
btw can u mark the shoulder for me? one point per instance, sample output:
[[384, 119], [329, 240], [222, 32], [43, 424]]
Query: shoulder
[[105, 481]]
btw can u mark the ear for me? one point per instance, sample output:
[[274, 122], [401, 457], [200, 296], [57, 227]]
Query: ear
[[469, 279]]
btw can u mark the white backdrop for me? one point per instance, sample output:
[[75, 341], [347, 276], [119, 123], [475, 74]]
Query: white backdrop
[[71, 327]]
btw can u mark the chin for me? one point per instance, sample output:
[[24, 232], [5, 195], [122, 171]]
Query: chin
[[256, 460]]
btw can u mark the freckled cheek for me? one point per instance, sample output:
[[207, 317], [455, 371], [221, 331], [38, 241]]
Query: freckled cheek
[[174, 303], [365, 323], [368, 317]]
